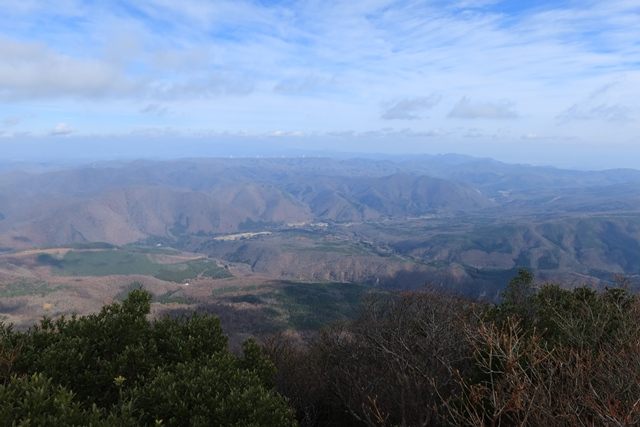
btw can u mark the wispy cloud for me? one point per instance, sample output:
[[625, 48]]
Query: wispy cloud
[[466, 109], [312, 84], [610, 113], [10, 121], [154, 109], [603, 104], [409, 108]]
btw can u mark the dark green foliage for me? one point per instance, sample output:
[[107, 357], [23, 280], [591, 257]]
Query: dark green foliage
[[91, 245], [581, 317], [516, 298], [36, 401], [187, 338], [126, 290], [519, 290], [154, 370], [85, 354], [48, 259], [254, 360], [216, 391]]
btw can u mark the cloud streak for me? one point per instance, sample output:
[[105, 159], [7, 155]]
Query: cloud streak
[[154, 109], [606, 104], [466, 109], [609, 113], [10, 121], [410, 108]]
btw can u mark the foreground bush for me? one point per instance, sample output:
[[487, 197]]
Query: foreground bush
[[388, 367], [171, 371], [543, 356], [557, 357], [524, 381], [36, 401], [213, 392]]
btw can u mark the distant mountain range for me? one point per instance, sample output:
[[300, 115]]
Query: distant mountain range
[[430, 211], [130, 202]]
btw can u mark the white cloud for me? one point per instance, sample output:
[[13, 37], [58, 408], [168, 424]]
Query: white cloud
[[34, 71], [31, 70], [283, 133], [532, 136]]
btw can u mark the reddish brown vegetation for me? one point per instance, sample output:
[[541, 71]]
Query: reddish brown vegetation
[[543, 356]]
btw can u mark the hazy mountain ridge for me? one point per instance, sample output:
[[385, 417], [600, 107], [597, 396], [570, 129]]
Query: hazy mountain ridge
[[448, 219], [142, 199]]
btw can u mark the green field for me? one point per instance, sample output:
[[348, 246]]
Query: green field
[[126, 262]]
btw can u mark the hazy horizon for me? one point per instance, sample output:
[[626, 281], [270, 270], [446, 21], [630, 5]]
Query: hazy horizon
[[78, 150]]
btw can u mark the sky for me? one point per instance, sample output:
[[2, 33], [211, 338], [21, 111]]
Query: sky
[[542, 82]]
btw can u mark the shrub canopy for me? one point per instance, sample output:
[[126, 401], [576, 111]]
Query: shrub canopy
[[116, 363]]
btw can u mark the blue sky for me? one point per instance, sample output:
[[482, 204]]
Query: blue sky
[[554, 82]]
